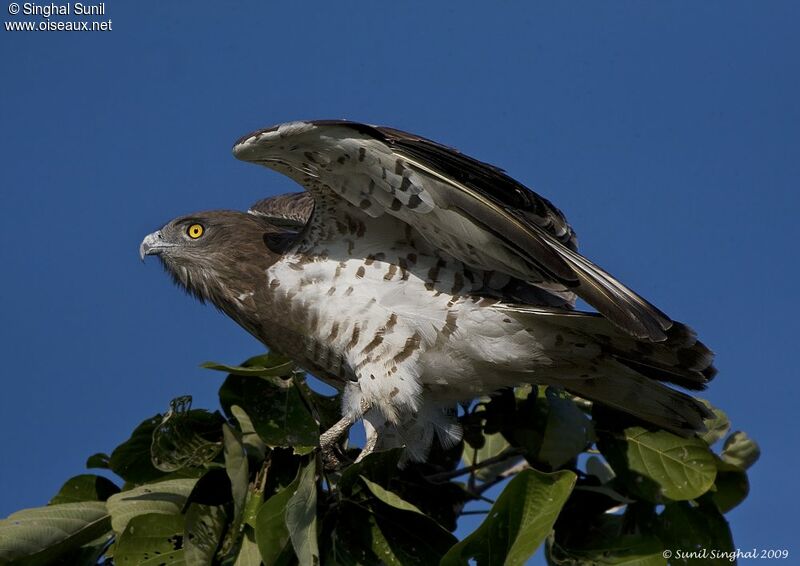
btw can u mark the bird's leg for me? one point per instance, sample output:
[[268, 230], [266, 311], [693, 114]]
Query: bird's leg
[[372, 441], [329, 438]]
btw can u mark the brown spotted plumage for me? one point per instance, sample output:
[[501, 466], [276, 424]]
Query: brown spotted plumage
[[412, 277]]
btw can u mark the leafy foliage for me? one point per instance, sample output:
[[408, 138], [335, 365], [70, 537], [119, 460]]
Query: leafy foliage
[[247, 486]]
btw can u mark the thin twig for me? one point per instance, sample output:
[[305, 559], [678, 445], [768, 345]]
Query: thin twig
[[446, 476], [501, 477], [472, 476]]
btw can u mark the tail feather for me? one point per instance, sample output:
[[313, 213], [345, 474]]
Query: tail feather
[[629, 374], [625, 390], [681, 359]]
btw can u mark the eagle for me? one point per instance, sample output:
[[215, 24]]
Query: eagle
[[413, 278]]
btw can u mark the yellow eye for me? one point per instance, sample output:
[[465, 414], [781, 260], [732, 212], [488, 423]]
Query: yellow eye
[[195, 231]]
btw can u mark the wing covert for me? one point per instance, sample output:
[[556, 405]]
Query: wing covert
[[471, 210], [290, 210]]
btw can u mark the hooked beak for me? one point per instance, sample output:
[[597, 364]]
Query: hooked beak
[[153, 244]]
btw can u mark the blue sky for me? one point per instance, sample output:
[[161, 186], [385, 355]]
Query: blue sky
[[668, 133]]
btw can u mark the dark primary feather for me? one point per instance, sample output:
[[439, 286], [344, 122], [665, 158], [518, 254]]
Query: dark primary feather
[[486, 179], [621, 305]]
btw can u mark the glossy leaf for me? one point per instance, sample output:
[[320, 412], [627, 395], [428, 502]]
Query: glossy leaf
[[400, 540], [271, 532], [569, 431], [740, 450], [600, 469], [252, 442], [85, 487], [518, 522], [671, 466], [99, 460], [493, 445], [604, 539], [248, 554], [43, 534], [695, 529], [237, 468], [185, 437], [390, 498], [716, 427], [166, 497], [267, 365], [276, 408], [203, 532], [152, 540], [301, 517], [131, 459], [731, 486]]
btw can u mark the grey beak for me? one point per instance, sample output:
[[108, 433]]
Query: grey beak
[[152, 244]]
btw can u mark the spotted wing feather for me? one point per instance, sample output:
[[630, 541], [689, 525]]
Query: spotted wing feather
[[469, 209]]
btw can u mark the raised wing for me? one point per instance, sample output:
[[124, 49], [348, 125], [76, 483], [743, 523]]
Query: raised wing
[[471, 210]]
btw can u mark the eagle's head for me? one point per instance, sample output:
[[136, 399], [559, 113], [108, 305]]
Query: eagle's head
[[218, 256]]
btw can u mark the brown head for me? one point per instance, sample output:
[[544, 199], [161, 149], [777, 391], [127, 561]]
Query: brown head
[[218, 256]]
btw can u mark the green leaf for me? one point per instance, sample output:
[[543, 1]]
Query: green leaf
[[279, 415], [381, 535], [628, 551], [568, 433], [398, 541], [716, 427], [207, 518], [99, 460], [390, 498], [85, 487], [131, 459], [237, 468], [186, 438], [442, 502], [248, 551], [351, 539], [165, 497], [252, 442], [600, 469], [252, 505], [677, 468], [151, 540], [740, 450], [518, 522], [493, 445], [327, 410], [267, 365], [44, 534], [87, 555], [685, 528], [203, 531], [605, 540], [378, 466], [731, 486], [272, 535], [301, 517]]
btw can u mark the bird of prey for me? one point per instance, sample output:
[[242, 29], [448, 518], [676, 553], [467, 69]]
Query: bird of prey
[[413, 277]]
